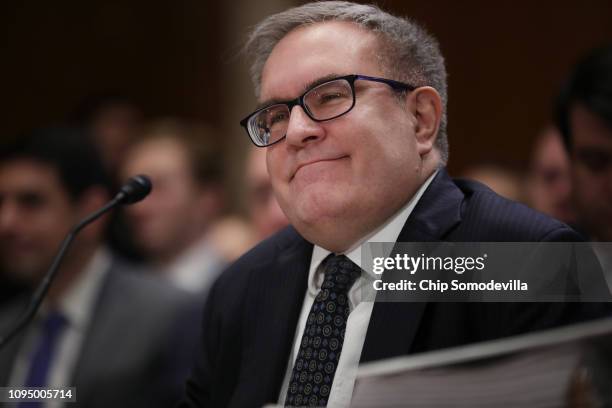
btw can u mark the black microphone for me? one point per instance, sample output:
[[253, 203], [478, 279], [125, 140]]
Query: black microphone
[[134, 190]]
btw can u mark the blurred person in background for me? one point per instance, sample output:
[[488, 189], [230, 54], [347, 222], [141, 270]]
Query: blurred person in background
[[232, 235], [235, 235], [264, 212], [501, 179], [549, 185], [172, 226], [122, 338], [584, 117], [112, 121]]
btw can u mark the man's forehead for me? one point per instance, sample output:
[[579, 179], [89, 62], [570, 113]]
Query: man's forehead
[[29, 173], [26, 166], [313, 53]]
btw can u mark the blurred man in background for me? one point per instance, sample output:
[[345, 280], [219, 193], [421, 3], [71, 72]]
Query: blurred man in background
[[584, 117], [549, 184], [171, 227], [502, 179], [264, 212], [235, 235], [112, 121], [121, 338]]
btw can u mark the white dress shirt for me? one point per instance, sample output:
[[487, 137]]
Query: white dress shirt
[[361, 310]]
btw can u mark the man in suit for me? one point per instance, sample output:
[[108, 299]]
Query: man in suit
[[121, 338], [172, 226], [584, 117], [352, 115]]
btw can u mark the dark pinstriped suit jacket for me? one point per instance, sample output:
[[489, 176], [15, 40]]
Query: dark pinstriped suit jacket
[[253, 309]]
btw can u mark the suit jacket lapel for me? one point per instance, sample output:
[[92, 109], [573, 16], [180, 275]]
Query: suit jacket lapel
[[8, 354], [274, 317], [94, 347], [393, 325]]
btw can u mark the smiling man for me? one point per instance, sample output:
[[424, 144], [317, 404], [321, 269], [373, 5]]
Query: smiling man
[[104, 327], [352, 114], [322, 180]]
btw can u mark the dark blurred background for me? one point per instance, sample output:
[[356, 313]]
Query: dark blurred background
[[160, 87], [505, 60]]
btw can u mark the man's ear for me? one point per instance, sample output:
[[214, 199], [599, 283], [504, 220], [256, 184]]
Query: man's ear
[[427, 109]]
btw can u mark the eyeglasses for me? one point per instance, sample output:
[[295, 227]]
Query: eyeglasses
[[325, 101]]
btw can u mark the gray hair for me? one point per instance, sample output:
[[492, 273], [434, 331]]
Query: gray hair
[[410, 54]]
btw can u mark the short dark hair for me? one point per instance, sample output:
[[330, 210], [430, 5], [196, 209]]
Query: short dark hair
[[589, 84], [68, 150], [200, 141], [91, 106]]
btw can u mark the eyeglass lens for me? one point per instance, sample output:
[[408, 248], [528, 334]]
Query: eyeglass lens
[[326, 101]]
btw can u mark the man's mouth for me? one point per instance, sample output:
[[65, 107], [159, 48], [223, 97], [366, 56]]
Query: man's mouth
[[311, 162]]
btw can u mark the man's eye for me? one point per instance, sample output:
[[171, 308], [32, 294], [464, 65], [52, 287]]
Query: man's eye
[[31, 200], [277, 117], [329, 97]]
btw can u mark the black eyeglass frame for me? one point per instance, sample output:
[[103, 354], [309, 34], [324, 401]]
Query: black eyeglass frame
[[396, 85]]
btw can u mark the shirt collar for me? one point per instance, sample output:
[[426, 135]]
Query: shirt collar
[[388, 232]]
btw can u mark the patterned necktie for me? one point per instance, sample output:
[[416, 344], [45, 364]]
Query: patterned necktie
[[42, 358], [315, 366]]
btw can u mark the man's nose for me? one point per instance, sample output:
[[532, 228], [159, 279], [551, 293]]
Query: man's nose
[[302, 129]]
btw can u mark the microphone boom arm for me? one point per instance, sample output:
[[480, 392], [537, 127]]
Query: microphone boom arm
[[135, 190]]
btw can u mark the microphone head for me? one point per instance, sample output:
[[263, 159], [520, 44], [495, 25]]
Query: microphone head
[[134, 190]]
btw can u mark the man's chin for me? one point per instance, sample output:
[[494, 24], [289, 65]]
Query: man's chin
[[316, 208], [318, 214]]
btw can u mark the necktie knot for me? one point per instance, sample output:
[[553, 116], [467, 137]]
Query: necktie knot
[[340, 273]]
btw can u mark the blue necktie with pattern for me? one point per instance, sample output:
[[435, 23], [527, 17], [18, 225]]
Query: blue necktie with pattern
[[317, 359], [42, 358]]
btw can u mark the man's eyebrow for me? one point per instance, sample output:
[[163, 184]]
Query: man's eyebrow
[[305, 88], [319, 81]]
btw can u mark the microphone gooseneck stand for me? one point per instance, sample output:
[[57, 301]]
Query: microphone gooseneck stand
[[136, 189]]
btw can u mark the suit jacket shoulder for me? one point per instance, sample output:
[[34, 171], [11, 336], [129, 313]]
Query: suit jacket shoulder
[[140, 342], [467, 211], [138, 345], [252, 310], [487, 216], [249, 322]]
